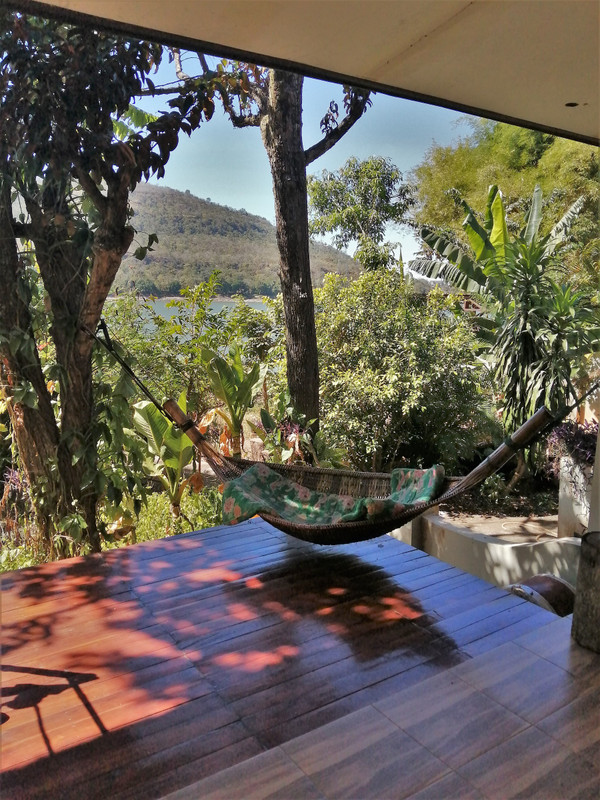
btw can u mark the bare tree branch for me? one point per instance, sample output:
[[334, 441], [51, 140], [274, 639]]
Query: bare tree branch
[[331, 138], [156, 91], [183, 76], [203, 62], [90, 188], [241, 121]]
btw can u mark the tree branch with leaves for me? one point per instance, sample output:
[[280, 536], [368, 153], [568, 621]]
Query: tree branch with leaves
[[357, 204], [271, 99], [63, 87]]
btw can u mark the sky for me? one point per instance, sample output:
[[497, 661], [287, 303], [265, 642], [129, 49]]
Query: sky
[[229, 166]]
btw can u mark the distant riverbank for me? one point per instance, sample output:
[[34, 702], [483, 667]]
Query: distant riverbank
[[218, 299], [218, 304], [160, 304]]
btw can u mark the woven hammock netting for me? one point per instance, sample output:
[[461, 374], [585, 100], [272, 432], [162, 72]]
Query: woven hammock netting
[[355, 484]]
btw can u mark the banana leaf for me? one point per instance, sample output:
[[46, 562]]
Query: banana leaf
[[534, 216], [165, 442]]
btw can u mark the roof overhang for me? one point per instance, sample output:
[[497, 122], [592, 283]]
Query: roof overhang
[[534, 63]]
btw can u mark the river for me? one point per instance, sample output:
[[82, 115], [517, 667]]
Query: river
[[160, 305]]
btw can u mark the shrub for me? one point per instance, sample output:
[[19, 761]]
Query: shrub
[[399, 375], [19, 557], [574, 440], [198, 510], [20, 544]]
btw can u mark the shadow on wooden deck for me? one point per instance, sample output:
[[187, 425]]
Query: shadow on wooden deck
[[136, 672]]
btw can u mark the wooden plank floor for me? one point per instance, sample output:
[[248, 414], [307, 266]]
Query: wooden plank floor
[[140, 671], [520, 721]]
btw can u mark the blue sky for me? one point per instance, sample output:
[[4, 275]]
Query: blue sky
[[229, 166]]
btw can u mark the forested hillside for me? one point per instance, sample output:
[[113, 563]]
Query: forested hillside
[[516, 160], [196, 237]]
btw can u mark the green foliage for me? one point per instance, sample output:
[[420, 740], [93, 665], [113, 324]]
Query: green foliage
[[233, 387], [542, 332], [399, 374], [517, 159], [494, 489], [536, 329], [131, 121], [198, 510], [63, 90], [169, 449], [167, 349], [78, 81], [117, 475], [287, 436], [261, 330], [134, 335], [357, 203], [375, 256], [155, 520], [110, 456], [191, 326], [197, 237], [280, 434], [20, 545], [19, 557], [324, 454]]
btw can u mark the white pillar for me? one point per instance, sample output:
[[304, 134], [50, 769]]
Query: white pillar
[[594, 521]]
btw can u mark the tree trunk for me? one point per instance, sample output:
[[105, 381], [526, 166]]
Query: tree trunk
[[586, 614], [34, 424], [281, 130], [77, 300], [520, 471], [47, 451], [64, 270]]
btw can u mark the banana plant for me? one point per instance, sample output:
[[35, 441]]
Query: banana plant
[[536, 330], [169, 450], [234, 387], [490, 241]]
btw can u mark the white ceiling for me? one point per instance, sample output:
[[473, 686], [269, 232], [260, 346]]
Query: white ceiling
[[519, 60]]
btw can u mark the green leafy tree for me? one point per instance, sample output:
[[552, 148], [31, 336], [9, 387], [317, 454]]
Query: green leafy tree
[[165, 348], [261, 330], [400, 374], [170, 451], [517, 159], [357, 203], [272, 100], [62, 87], [537, 329]]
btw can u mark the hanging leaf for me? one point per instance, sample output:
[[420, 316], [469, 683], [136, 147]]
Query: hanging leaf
[[196, 482], [534, 216], [166, 443], [499, 234]]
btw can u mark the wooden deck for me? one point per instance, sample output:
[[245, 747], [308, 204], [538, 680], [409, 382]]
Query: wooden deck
[[259, 666]]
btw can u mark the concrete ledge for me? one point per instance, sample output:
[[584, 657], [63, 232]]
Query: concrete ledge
[[496, 561]]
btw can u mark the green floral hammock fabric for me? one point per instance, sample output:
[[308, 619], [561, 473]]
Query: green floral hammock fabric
[[261, 490]]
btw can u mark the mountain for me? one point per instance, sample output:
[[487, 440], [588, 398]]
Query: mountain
[[196, 237]]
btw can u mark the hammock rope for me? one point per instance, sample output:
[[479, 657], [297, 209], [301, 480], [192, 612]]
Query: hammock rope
[[357, 484], [342, 482]]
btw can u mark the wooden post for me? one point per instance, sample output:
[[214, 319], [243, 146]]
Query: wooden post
[[586, 615], [594, 520]]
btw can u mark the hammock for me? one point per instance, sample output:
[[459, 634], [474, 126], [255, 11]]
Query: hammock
[[365, 486]]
